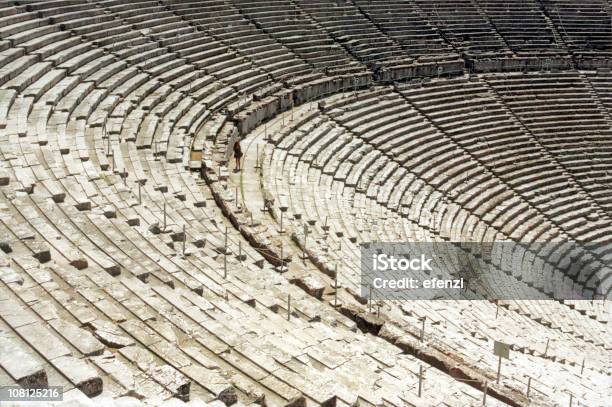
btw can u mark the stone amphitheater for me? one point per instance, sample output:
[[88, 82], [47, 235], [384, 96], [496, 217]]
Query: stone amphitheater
[[138, 267]]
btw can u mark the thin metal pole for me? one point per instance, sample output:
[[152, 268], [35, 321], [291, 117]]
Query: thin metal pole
[[305, 239], [423, 329], [528, 386], [164, 215], [225, 240], [546, 350], [336, 285], [420, 379], [484, 394], [225, 265], [139, 193], [499, 361], [184, 239], [288, 307]]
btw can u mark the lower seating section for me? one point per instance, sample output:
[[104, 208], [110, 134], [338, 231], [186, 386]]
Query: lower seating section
[[562, 113], [416, 162], [601, 82]]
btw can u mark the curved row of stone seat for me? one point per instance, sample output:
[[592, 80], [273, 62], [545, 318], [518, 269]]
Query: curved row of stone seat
[[598, 232]]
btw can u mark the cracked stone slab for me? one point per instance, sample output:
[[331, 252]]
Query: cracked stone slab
[[109, 334]]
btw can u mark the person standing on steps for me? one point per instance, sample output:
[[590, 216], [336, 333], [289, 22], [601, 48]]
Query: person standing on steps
[[237, 154]]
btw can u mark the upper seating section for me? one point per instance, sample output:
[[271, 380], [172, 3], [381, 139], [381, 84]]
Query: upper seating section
[[286, 23], [584, 25], [523, 25], [463, 24], [403, 21], [224, 23], [346, 24]]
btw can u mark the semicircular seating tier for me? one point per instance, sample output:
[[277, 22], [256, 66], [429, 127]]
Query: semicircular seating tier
[[133, 271]]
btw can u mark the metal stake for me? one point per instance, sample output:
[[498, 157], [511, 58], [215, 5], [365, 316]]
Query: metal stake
[[164, 216], [420, 379], [288, 307], [528, 386], [499, 368], [423, 329], [184, 239], [225, 265], [484, 394], [336, 285]]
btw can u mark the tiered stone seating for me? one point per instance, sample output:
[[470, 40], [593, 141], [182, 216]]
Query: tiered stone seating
[[283, 21], [560, 111], [537, 179], [225, 23], [601, 83], [127, 279], [404, 22], [584, 26], [314, 162], [524, 26], [465, 26], [345, 23]]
